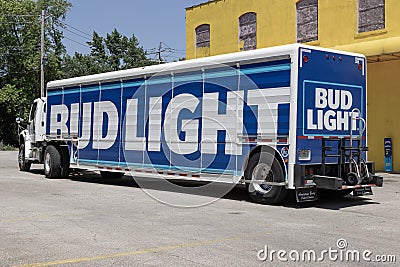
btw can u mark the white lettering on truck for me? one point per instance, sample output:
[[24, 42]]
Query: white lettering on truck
[[103, 125], [337, 117], [213, 122], [100, 110], [189, 127], [132, 141], [59, 118]]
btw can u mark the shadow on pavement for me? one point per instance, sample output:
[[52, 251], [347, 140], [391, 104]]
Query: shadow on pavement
[[237, 193], [330, 203]]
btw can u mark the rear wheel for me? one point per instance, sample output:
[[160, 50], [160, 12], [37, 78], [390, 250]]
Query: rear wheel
[[264, 167], [24, 165], [110, 175], [52, 162]]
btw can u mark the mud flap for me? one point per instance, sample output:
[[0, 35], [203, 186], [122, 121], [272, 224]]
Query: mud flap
[[363, 191], [306, 194]]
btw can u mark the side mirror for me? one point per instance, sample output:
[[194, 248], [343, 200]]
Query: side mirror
[[19, 120]]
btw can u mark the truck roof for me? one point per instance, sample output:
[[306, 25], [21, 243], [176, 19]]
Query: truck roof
[[187, 65]]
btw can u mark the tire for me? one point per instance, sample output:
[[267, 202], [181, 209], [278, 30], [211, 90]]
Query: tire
[[265, 167], [52, 162], [24, 165], [111, 175], [64, 153]]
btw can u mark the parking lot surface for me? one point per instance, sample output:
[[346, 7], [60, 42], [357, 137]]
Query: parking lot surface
[[89, 221]]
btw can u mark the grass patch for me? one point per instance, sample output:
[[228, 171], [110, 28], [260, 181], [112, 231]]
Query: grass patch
[[4, 147]]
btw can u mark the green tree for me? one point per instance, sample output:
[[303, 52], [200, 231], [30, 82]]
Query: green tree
[[56, 11], [20, 29], [116, 45], [98, 52], [10, 99], [135, 56], [79, 65], [112, 53]]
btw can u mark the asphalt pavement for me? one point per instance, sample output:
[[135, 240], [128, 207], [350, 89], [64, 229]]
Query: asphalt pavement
[[89, 221]]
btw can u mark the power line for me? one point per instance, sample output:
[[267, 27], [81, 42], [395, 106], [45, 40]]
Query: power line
[[89, 35], [19, 15], [180, 53], [77, 34], [158, 51], [85, 45], [164, 51], [15, 47], [19, 52], [24, 72], [19, 23]]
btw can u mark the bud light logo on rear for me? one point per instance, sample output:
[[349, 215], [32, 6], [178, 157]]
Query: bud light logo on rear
[[328, 108]]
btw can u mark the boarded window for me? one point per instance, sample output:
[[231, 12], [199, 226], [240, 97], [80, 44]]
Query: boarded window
[[203, 36], [307, 20], [371, 15], [248, 31]]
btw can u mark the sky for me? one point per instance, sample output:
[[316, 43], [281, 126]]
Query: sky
[[152, 22]]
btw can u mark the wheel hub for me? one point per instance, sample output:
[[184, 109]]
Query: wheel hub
[[47, 163], [262, 173], [21, 157]]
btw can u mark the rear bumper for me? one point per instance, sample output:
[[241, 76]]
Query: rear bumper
[[310, 176], [336, 183]]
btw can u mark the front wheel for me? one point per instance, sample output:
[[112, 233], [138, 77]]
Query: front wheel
[[24, 165], [52, 162], [264, 167]]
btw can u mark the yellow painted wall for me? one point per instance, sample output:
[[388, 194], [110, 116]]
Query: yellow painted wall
[[384, 110], [223, 17], [276, 23], [338, 22], [337, 26]]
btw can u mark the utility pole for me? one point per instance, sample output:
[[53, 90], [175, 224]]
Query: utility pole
[[159, 53], [162, 48], [42, 91]]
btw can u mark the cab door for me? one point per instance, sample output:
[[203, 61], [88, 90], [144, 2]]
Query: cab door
[[36, 123], [32, 121]]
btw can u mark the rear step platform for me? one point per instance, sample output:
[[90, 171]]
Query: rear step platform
[[336, 183]]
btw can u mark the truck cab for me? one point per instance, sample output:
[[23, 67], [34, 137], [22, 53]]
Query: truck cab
[[36, 148], [32, 138]]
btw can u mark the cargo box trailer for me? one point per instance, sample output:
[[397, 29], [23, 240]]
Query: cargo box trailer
[[292, 117]]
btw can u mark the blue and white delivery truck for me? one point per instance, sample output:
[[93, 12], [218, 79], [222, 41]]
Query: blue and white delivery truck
[[284, 118]]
